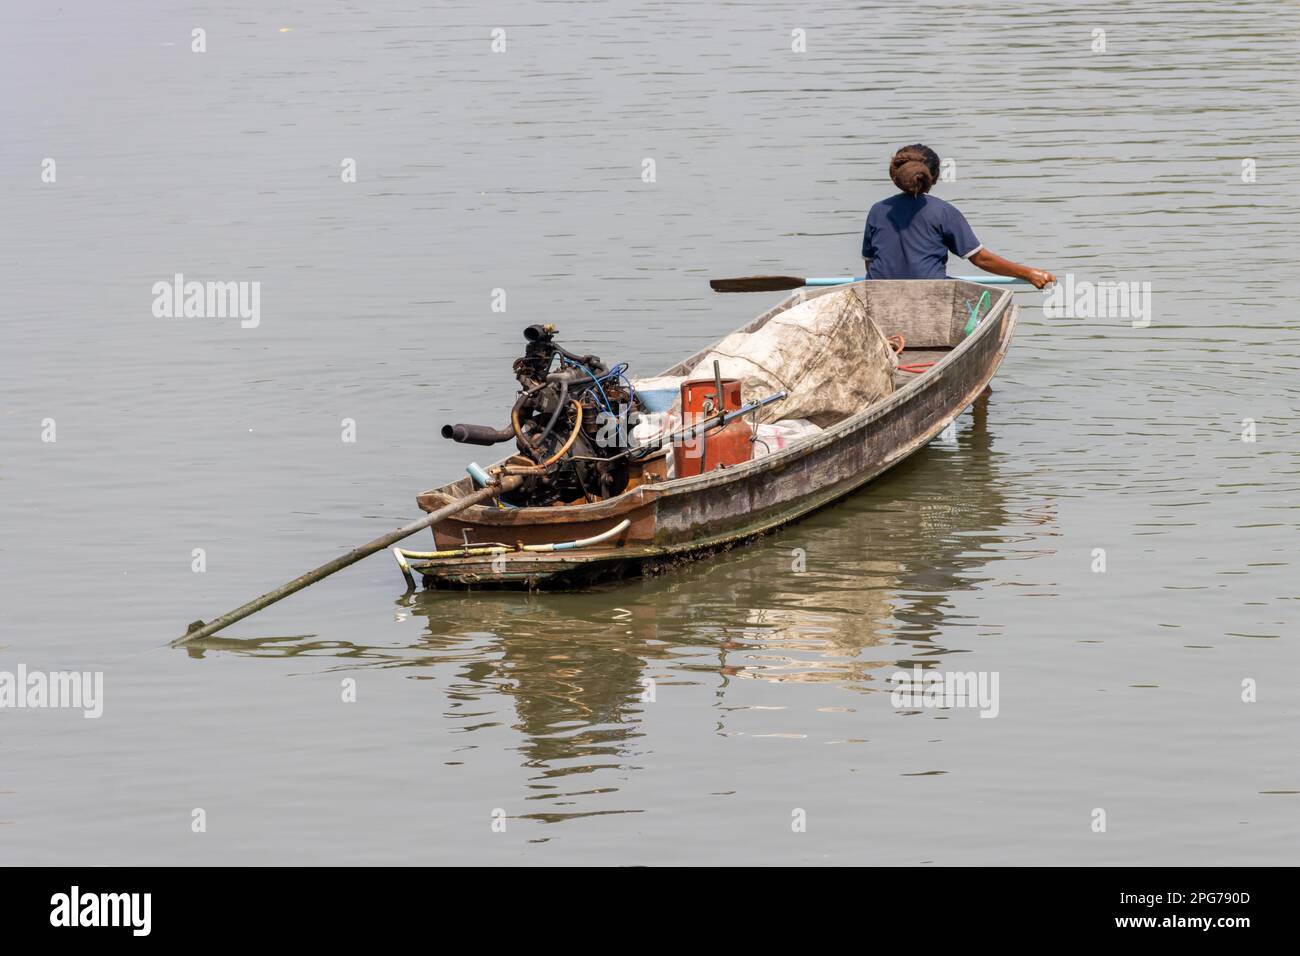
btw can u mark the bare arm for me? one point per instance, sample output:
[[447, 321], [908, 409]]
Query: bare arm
[[992, 262]]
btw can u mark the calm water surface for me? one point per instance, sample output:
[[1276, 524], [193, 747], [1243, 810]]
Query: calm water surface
[[521, 170]]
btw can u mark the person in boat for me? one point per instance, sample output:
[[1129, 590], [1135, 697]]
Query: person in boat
[[909, 236]]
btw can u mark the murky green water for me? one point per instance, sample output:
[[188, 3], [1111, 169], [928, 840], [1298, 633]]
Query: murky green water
[[522, 171]]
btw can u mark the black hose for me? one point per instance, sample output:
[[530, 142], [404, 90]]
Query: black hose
[[555, 415]]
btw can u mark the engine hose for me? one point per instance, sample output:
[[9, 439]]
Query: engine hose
[[555, 415], [564, 449], [519, 430], [595, 380]]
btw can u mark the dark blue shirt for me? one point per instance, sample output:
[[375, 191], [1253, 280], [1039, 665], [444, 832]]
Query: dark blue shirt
[[909, 237]]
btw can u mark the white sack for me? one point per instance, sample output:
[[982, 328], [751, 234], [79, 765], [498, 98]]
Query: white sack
[[777, 436], [825, 352]]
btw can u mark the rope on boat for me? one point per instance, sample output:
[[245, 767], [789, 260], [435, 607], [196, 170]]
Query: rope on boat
[[898, 343]]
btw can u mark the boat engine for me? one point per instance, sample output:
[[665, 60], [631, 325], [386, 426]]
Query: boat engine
[[570, 423]]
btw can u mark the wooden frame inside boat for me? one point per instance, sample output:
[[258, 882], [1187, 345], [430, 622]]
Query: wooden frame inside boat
[[678, 519]]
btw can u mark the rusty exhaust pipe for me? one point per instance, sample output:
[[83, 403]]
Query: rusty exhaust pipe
[[477, 434]]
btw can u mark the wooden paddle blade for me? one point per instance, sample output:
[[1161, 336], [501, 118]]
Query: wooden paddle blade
[[756, 284]]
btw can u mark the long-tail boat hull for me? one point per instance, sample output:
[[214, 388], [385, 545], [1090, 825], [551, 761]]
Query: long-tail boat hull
[[675, 520]]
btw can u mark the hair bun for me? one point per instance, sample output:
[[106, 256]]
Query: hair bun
[[911, 171]]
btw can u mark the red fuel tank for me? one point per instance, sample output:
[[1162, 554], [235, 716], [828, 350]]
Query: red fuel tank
[[731, 444]]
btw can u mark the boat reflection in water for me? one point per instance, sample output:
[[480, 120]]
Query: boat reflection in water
[[880, 572]]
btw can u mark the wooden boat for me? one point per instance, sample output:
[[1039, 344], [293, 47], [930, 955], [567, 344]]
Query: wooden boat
[[656, 524]]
